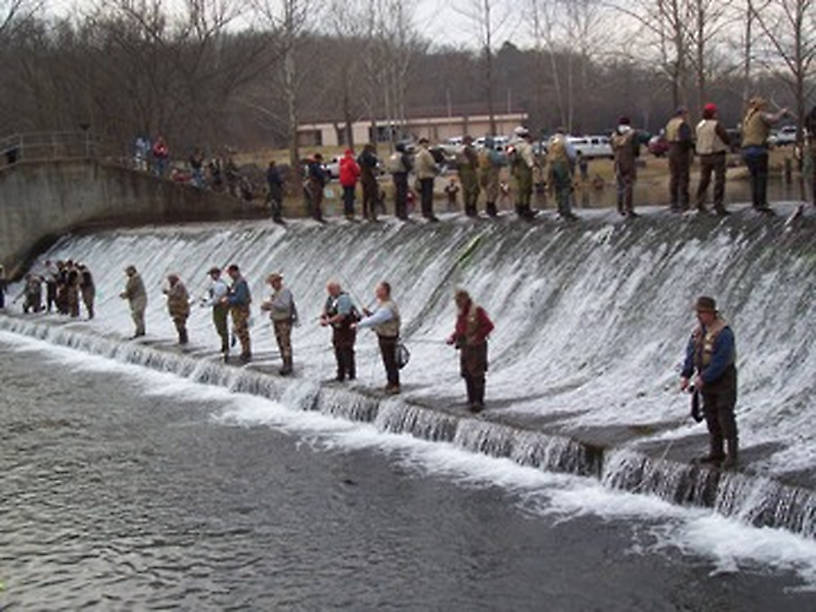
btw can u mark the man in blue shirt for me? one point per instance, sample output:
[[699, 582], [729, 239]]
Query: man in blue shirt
[[711, 353], [238, 300], [340, 313]]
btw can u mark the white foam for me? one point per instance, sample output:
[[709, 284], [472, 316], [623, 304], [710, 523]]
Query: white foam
[[728, 544]]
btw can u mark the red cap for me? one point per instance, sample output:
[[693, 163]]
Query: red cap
[[710, 108]]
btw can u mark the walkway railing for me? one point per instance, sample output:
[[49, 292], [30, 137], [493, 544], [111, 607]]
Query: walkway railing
[[48, 146]]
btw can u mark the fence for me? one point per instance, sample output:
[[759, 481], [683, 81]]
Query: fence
[[48, 146]]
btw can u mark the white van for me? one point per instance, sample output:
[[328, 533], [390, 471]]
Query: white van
[[592, 146]]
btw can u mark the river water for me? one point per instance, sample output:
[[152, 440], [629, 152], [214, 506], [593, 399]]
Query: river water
[[125, 488]]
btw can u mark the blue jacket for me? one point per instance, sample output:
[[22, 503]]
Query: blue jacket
[[721, 357], [239, 293]]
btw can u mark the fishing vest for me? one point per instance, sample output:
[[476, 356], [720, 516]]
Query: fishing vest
[[331, 311], [472, 326], [389, 329], [673, 129], [708, 140], [755, 130], [557, 150], [282, 314], [704, 344]]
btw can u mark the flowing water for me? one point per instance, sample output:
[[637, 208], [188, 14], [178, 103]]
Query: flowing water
[[591, 323], [129, 489]]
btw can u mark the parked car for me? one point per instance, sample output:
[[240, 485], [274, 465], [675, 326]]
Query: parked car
[[591, 147], [735, 138], [332, 168], [786, 135], [658, 145]]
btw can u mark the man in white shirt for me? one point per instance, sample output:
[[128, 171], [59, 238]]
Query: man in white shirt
[[385, 320], [218, 290]]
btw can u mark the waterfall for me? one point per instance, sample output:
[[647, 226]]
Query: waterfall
[[591, 324]]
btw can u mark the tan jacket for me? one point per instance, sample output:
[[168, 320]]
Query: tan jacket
[[425, 164], [178, 301], [709, 139]]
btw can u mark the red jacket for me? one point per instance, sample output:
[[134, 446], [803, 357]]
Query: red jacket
[[349, 170], [482, 324]]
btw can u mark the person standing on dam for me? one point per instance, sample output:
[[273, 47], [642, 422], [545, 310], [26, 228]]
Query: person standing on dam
[[283, 314], [137, 296], [239, 300], [368, 162], [467, 166], [178, 305], [32, 292], [756, 127], [217, 292], [340, 312], [51, 272], [626, 149], [426, 171], [473, 326], [712, 146], [87, 289], [72, 291], [3, 283], [681, 145], [522, 168], [711, 353], [385, 321]]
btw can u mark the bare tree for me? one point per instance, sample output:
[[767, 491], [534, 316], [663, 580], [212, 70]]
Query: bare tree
[[486, 20], [789, 28], [289, 20]]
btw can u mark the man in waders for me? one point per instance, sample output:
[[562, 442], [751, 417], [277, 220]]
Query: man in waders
[[178, 305], [217, 292], [681, 144], [560, 165], [340, 313], [282, 312], [467, 164], [136, 295], [239, 300], [711, 353], [385, 320], [756, 128], [473, 326], [523, 164]]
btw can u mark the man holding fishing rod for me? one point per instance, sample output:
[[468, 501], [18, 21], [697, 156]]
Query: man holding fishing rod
[[340, 312], [712, 354], [385, 321]]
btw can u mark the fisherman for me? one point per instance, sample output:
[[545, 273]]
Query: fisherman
[[473, 326], [712, 146], [238, 299], [810, 158], [50, 284], [368, 162], [178, 305], [467, 166], [217, 292], [349, 174], [681, 146], [426, 171], [399, 165], [137, 296], [490, 165], [385, 321], [523, 164], [340, 312], [62, 285], [87, 289], [282, 312], [72, 291], [32, 292], [711, 353], [756, 127], [274, 197], [3, 285], [561, 163], [316, 183], [626, 148]]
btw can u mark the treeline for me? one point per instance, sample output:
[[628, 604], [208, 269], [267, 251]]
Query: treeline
[[215, 74]]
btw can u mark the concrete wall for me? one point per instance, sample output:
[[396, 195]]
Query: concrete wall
[[39, 201]]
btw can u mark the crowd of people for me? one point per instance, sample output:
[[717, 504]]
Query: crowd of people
[[709, 371], [340, 312], [68, 285]]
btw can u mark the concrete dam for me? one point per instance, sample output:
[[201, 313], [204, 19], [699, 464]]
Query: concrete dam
[[592, 319]]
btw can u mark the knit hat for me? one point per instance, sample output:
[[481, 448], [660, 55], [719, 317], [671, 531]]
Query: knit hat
[[624, 120], [709, 110]]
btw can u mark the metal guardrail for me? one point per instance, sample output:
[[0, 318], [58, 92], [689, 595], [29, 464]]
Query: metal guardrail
[[50, 146]]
